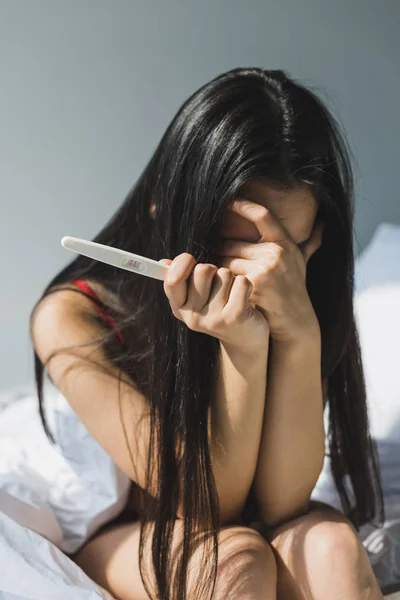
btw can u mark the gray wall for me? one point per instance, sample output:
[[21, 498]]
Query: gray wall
[[88, 87]]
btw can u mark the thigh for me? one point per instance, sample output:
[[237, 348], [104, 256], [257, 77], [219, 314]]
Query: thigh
[[317, 547], [111, 559], [289, 544], [291, 535]]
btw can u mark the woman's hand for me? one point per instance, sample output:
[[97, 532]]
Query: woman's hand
[[212, 300], [276, 267]]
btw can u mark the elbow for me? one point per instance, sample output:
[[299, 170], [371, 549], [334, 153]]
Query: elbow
[[275, 519], [226, 517], [228, 514]]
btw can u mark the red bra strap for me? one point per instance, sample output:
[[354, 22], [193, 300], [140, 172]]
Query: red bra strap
[[86, 289]]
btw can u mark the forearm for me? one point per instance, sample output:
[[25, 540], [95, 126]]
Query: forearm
[[293, 438], [236, 425]]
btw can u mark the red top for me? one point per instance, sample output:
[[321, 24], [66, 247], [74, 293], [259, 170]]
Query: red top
[[86, 289]]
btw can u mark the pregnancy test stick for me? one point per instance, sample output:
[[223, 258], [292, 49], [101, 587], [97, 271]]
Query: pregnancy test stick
[[116, 257]]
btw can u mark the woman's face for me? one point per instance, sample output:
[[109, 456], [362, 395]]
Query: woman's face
[[295, 209]]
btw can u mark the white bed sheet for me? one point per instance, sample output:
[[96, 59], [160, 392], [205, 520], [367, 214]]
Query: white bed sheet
[[32, 568], [52, 498]]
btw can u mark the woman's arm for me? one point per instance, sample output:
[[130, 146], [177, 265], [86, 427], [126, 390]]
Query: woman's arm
[[236, 425], [103, 404], [293, 438]]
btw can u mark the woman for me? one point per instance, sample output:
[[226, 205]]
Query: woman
[[208, 390]]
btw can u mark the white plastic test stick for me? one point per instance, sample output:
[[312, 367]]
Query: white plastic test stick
[[116, 257]]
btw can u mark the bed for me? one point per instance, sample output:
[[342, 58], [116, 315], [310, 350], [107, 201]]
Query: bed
[[52, 499]]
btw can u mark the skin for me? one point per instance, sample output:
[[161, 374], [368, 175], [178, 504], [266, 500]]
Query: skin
[[296, 209], [301, 550], [288, 466], [260, 245], [308, 550]]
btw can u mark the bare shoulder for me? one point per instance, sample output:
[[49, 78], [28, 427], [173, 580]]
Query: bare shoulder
[[59, 320], [105, 399]]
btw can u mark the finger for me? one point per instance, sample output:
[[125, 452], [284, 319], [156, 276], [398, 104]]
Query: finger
[[165, 261], [315, 241], [200, 284], [268, 226], [240, 293], [175, 282], [238, 266], [221, 288]]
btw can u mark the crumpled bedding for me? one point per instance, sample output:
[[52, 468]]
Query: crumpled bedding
[[33, 568], [64, 492], [52, 498]]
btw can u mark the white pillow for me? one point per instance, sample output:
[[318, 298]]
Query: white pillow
[[32, 568], [377, 310], [64, 492], [377, 307]]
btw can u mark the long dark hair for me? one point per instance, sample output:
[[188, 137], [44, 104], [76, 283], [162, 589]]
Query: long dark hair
[[247, 123]]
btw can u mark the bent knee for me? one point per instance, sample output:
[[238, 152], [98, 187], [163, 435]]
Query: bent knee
[[323, 536], [331, 539], [338, 545], [245, 561], [237, 542], [238, 545]]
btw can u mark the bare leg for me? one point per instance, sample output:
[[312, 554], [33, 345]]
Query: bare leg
[[246, 566], [320, 557]]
